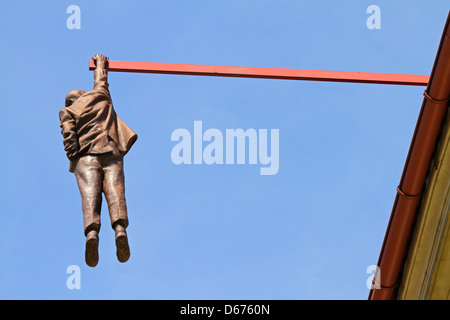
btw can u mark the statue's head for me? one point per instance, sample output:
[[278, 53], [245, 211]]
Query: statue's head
[[72, 96]]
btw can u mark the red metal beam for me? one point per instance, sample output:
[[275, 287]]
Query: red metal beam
[[265, 73]]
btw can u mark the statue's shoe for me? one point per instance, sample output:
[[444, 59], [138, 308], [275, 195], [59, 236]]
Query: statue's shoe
[[123, 250], [91, 253]]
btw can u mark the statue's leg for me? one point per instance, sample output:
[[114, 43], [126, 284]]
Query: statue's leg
[[114, 190], [89, 176]]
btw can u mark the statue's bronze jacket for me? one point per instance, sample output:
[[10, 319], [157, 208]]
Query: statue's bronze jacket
[[90, 124]]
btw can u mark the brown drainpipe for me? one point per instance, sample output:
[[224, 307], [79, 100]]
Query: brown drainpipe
[[409, 192]]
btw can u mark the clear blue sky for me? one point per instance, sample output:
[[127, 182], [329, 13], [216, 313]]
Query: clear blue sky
[[211, 231]]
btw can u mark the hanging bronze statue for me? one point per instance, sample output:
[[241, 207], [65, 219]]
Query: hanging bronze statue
[[96, 140]]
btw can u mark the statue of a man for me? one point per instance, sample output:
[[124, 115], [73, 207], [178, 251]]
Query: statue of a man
[[96, 140]]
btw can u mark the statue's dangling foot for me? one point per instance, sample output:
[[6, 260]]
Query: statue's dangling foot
[[123, 250], [91, 253]]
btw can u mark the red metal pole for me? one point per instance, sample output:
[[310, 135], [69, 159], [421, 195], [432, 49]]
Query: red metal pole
[[265, 73]]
